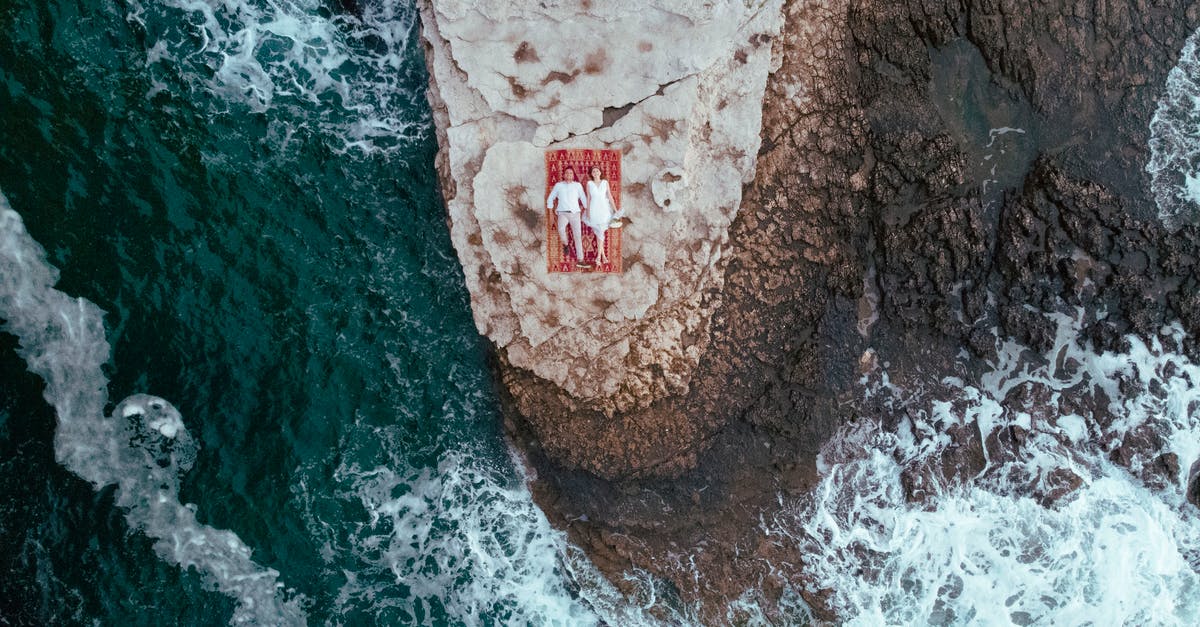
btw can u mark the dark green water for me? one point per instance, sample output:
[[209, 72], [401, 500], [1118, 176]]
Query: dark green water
[[246, 189]]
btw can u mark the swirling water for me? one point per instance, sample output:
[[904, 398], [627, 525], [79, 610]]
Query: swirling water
[[1175, 141], [235, 200], [1109, 550]]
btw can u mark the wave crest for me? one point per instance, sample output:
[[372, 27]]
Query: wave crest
[[1174, 165], [1050, 530], [143, 447]]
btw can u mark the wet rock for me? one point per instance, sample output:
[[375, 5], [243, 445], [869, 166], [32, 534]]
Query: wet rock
[[1004, 444], [954, 465], [918, 484], [819, 600], [1056, 485], [1168, 464], [1141, 452], [1193, 484]]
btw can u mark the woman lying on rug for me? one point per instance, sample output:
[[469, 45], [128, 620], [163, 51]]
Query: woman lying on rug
[[599, 214]]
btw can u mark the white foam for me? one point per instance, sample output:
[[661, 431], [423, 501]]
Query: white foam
[[62, 340], [1113, 551], [346, 74], [467, 537], [997, 132], [1175, 141]]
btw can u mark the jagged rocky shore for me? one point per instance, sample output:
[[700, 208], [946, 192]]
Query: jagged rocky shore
[[814, 187]]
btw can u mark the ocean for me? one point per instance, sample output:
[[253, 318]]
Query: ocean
[[231, 205], [245, 191]]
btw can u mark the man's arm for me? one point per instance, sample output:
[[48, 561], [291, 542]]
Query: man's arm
[[553, 195]]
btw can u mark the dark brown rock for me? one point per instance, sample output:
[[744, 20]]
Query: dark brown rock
[[1056, 485], [1193, 485], [1167, 467]]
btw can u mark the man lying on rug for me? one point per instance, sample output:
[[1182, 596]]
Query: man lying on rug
[[571, 199]]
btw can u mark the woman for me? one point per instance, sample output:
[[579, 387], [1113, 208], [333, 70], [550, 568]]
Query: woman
[[599, 214]]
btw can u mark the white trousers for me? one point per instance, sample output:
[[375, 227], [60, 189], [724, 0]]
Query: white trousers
[[573, 218]]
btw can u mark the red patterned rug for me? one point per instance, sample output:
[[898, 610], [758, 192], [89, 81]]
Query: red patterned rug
[[582, 159]]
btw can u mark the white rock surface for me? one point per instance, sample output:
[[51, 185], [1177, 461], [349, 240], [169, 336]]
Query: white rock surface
[[677, 86]]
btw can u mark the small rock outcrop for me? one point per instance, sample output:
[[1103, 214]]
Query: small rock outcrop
[[1193, 485]]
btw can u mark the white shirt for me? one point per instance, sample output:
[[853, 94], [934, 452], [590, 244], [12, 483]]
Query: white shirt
[[569, 195]]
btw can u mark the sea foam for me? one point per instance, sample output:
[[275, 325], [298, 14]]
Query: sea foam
[[351, 76], [464, 542], [143, 447], [988, 551], [1175, 141]]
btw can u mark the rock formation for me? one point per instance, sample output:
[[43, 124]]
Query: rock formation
[[930, 174], [677, 86]]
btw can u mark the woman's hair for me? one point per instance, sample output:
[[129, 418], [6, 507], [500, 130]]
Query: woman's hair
[[596, 167]]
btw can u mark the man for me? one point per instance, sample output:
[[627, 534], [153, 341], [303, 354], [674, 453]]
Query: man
[[569, 194]]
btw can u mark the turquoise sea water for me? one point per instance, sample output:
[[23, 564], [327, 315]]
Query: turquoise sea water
[[246, 189]]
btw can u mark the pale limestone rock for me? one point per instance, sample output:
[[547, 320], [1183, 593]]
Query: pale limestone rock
[[677, 86]]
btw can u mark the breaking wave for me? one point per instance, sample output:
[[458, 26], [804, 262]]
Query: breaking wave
[[143, 447], [346, 74], [1052, 530], [1049, 489], [1175, 141], [465, 542]]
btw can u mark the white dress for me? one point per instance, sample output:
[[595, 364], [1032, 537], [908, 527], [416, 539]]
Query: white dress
[[600, 211]]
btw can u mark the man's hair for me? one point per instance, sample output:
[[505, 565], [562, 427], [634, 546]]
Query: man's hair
[[568, 168]]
